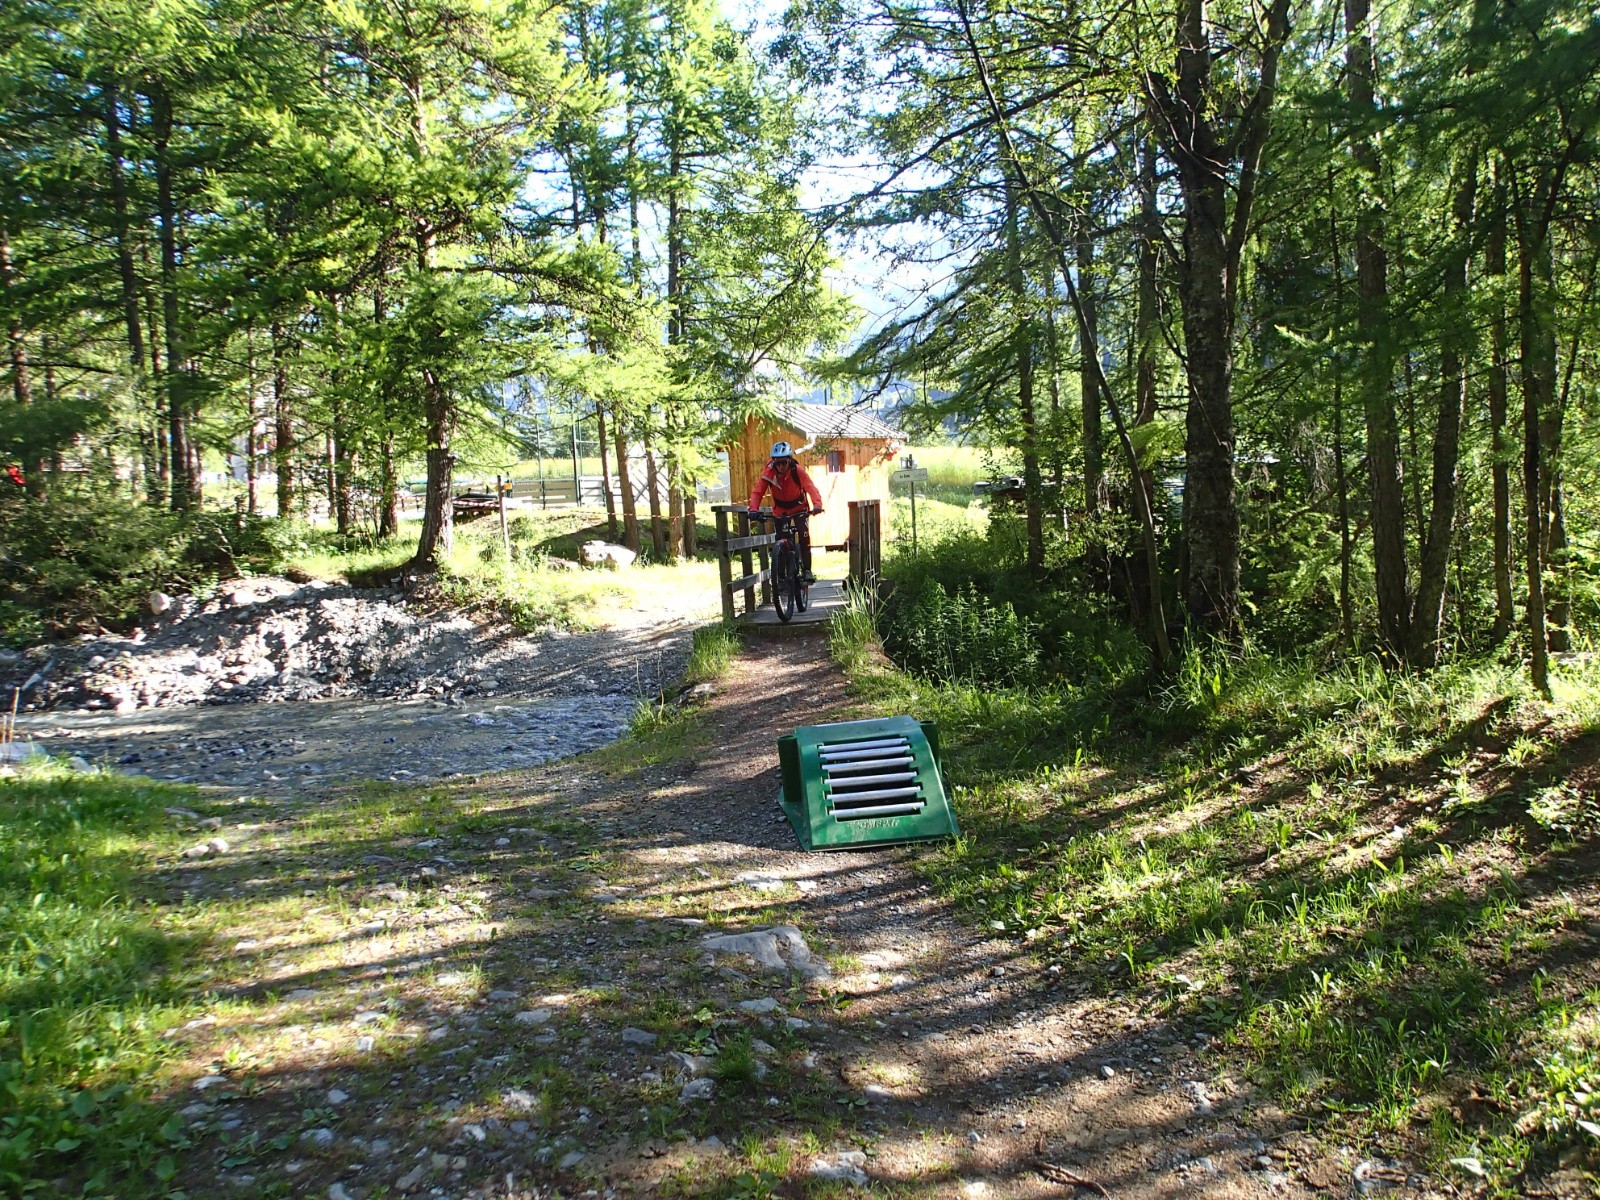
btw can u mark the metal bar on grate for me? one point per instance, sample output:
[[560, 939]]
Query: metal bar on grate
[[860, 755], [856, 749], [840, 787], [862, 744], [876, 794], [866, 765]]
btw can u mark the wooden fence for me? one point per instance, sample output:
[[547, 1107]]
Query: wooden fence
[[735, 538], [866, 544]]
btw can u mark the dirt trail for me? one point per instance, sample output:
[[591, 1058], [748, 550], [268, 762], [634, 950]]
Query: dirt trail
[[517, 1003]]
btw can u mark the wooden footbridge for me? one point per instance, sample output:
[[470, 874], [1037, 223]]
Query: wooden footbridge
[[736, 540]]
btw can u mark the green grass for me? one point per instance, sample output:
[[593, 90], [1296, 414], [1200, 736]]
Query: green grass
[[528, 590], [1376, 890], [663, 723], [91, 975]]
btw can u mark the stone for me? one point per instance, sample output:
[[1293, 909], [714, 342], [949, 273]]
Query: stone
[[202, 850], [320, 1138], [17, 752], [697, 1089], [845, 1167], [368, 1017], [692, 1065], [569, 1160], [365, 1043], [778, 949], [476, 1132], [759, 1007], [160, 603], [534, 1016], [637, 1037], [337, 1096], [604, 554], [1196, 1091], [1107, 1071], [336, 1192], [411, 1179]]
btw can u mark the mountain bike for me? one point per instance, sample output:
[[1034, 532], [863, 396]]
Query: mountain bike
[[790, 591]]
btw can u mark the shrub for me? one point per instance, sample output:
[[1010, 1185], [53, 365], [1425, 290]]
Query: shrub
[[85, 556], [962, 635]]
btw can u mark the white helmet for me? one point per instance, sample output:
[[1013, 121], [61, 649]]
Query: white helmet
[[782, 450]]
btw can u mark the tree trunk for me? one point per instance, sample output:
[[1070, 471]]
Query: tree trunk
[[1032, 482], [1537, 353], [16, 346], [283, 424], [605, 473], [1094, 470], [1147, 340], [1552, 442], [129, 280], [438, 512], [1500, 467], [1427, 615], [658, 533], [1340, 475], [184, 480], [158, 388], [630, 515], [250, 431], [1372, 286]]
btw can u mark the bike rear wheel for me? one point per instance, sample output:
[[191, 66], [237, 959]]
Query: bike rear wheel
[[783, 582]]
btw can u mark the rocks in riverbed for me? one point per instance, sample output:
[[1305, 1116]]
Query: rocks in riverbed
[[265, 639]]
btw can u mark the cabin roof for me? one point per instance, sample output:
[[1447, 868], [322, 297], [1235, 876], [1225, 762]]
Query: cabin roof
[[835, 421]]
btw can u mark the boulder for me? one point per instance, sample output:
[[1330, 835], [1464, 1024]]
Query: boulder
[[604, 554]]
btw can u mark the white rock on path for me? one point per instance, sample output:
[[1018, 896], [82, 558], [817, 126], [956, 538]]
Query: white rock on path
[[604, 554], [845, 1166], [780, 948], [534, 1016]]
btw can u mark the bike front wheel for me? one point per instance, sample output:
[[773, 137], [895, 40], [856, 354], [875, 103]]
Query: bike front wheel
[[784, 575]]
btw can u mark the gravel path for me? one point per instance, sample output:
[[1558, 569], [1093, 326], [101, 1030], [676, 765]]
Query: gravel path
[[512, 996]]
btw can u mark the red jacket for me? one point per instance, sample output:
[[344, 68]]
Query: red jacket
[[789, 490]]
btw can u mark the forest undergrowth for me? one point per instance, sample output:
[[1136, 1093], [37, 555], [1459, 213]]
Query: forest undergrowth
[[1379, 892]]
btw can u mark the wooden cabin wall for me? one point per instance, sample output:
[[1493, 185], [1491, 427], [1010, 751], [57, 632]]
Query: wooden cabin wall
[[867, 463]]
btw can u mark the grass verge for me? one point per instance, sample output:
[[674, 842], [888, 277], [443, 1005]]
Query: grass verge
[[1381, 893], [92, 974]]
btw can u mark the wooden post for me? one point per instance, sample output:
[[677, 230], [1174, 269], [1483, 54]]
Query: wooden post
[[866, 543], [747, 566], [725, 564], [505, 532]]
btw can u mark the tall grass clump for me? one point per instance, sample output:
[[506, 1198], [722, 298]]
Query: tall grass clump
[[90, 976], [711, 653]]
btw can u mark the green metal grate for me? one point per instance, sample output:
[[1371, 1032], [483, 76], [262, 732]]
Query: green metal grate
[[855, 783]]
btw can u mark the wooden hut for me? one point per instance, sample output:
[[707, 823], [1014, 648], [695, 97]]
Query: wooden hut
[[848, 452]]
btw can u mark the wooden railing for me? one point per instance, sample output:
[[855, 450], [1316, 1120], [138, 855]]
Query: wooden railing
[[866, 543], [735, 538]]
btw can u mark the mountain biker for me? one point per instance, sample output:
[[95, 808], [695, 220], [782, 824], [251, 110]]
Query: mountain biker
[[790, 486]]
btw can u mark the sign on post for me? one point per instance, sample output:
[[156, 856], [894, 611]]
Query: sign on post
[[910, 475]]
